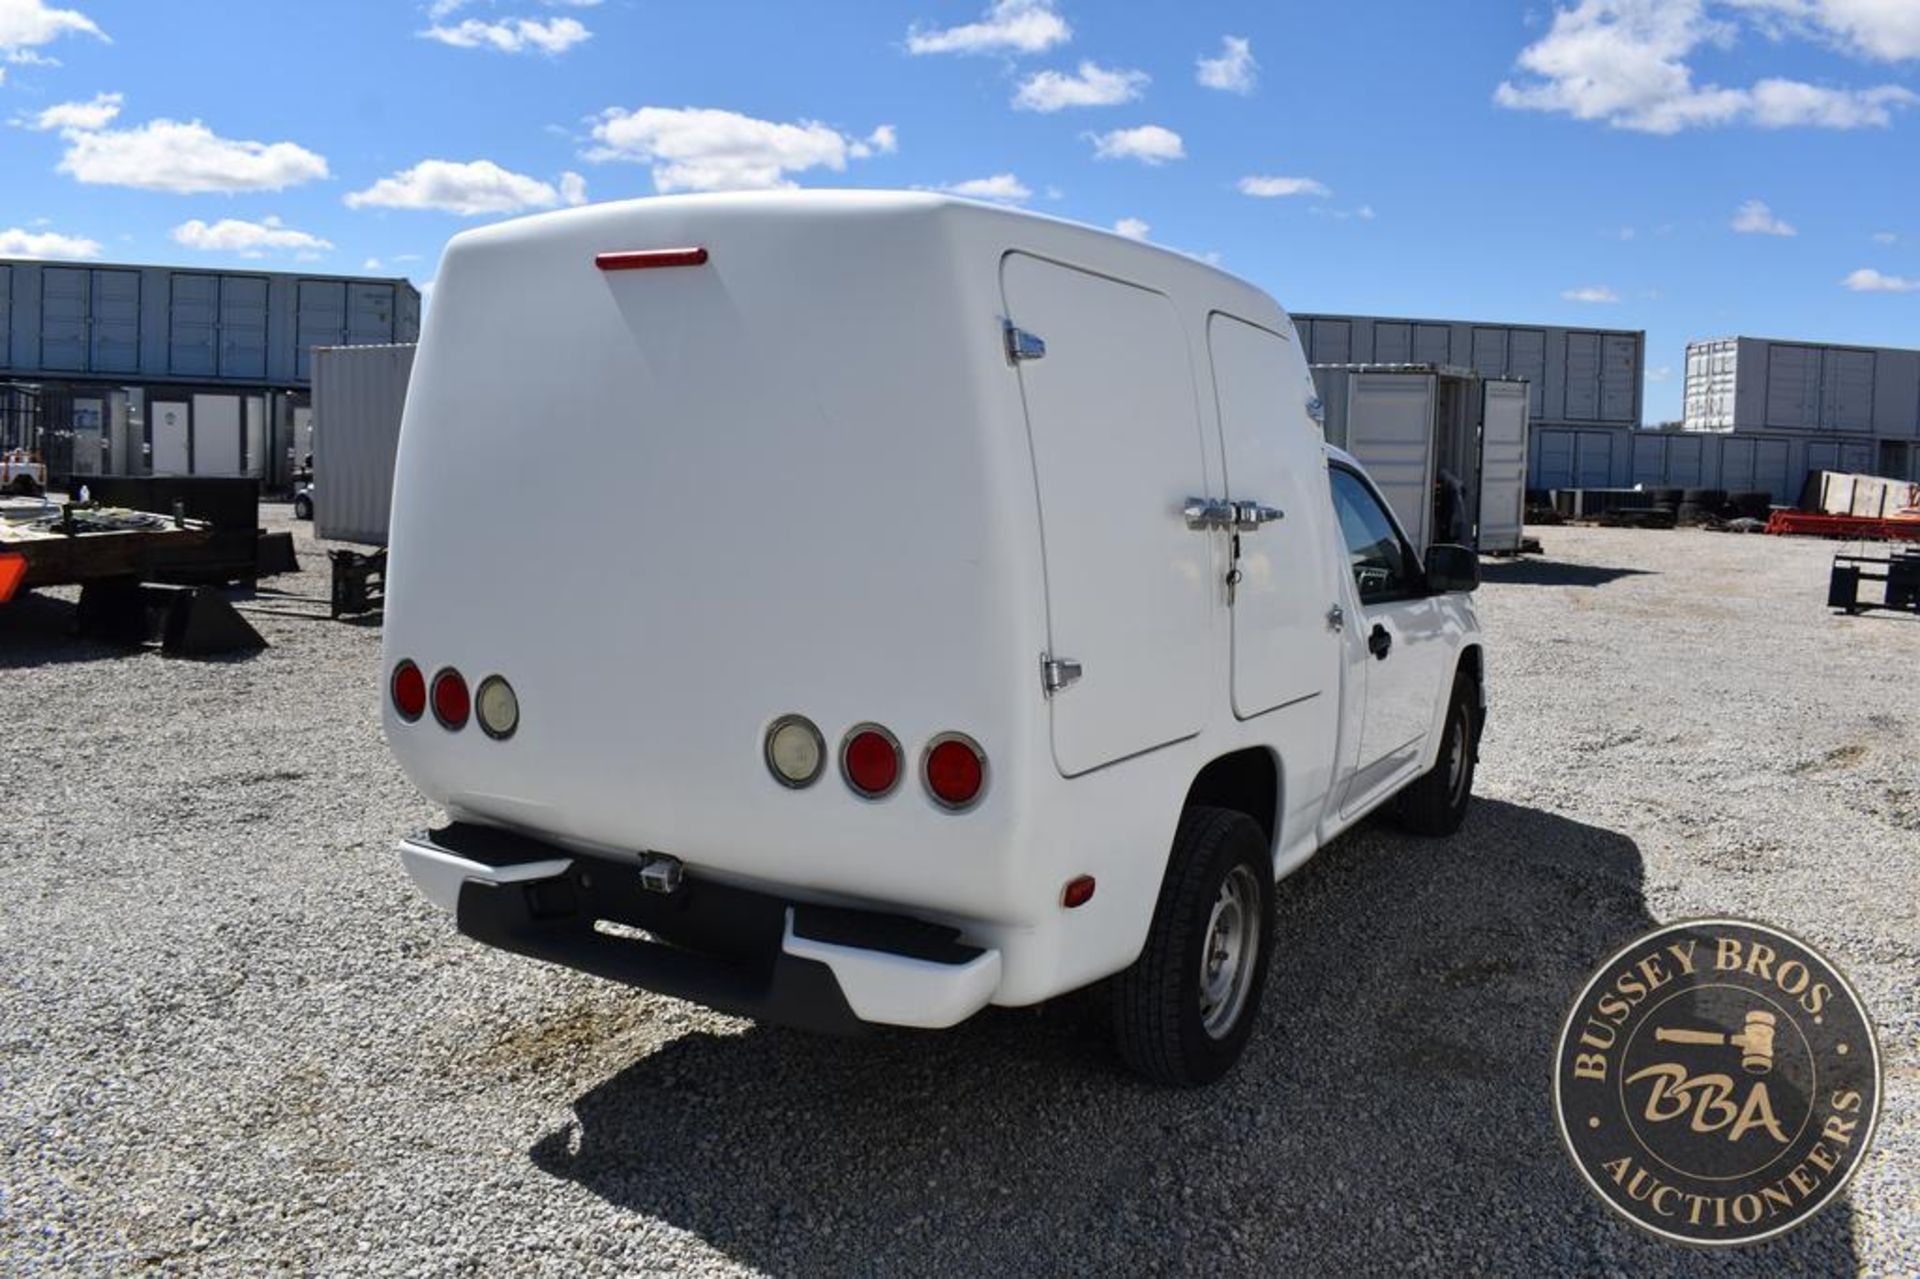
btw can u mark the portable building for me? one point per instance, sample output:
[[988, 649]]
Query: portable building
[[359, 393], [1413, 424], [1573, 375]]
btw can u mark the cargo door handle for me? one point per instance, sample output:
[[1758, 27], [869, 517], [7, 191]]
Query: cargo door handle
[[1379, 642], [1249, 516], [1205, 513]]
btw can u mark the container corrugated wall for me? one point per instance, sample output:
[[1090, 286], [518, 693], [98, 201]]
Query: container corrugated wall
[[358, 395], [1755, 384], [1568, 457], [155, 323], [1573, 375]]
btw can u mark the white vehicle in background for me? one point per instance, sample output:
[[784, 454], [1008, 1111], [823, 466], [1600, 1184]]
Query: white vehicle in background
[[955, 607]]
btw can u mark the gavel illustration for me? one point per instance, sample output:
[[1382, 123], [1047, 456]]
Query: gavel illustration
[[1755, 1041]]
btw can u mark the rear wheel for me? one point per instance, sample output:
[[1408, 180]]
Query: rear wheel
[[1183, 1012], [1436, 804]]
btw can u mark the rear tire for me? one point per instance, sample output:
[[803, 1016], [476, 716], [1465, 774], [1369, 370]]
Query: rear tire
[[1436, 804], [1182, 1013]]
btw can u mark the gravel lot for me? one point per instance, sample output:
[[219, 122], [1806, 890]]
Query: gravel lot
[[232, 1036]]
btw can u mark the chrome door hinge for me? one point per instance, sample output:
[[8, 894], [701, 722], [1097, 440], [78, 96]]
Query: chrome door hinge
[[1336, 618], [1022, 345], [1057, 673]]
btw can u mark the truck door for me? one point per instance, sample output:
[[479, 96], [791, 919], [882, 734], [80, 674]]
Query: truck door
[[1283, 649], [1403, 632], [1116, 451], [1503, 464], [1390, 421]]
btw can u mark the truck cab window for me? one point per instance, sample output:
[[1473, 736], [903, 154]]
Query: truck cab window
[[1383, 567]]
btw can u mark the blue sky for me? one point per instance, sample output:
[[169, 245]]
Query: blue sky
[[1691, 167]]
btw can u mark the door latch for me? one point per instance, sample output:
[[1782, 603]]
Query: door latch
[[1248, 516], [1057, 673]]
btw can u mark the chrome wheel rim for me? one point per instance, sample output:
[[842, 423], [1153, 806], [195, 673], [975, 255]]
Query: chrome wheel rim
[[1227, 957], [1457, 747]]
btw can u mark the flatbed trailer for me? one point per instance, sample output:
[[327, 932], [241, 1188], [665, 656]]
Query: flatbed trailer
[[58, 554]]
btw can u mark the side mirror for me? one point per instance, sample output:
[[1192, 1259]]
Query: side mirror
[[1452, 568]]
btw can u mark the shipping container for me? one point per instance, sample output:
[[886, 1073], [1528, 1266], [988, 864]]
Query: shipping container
[[1742, 385], [1419, 427], [1573, 375], [1777, 462], [359, 393], [148, 324]]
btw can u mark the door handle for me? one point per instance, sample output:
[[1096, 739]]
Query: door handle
[[1248, 516], [1379, 642], [1204, 513]]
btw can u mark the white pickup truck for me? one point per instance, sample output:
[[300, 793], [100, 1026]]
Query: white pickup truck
[[943, 606]]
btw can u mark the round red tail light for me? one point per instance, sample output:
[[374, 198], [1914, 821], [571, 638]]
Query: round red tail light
[[408, 688], [955, 769], [870, 760], [451, 702]]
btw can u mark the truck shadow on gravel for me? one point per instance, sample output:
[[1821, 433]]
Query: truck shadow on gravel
[[1536, 572], [1393, 1111]]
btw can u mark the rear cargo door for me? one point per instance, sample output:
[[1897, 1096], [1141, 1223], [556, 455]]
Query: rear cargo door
[[1503, 465], [1282, 649], [1117, 451], [1390, 430]]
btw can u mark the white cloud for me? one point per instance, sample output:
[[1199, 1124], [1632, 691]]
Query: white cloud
[[1149, 144], [1234, 71], [512, 35], [248, 239], [1004, 187], [884, 140], [1132, 228], [1885, 29], [1624, 62], [1885, 237], [1755, 218], [573, 189], [1662, 374], [452, 186], [1092, 86], [25, 25], [185, 158], [1009, 26], [704, 149], [1591, 293], [82, 116], [1868, 280], [16, 243], [1272, 187]]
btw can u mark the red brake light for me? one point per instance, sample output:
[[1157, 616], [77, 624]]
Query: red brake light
[[870, 760], [409, 691], [451, 703], [649, 259], [956, 770]]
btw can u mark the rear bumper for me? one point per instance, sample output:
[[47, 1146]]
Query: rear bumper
[[743, 952]]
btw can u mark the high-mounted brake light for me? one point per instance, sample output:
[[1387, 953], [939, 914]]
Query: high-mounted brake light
[[870, 761], [649, 259], [955, 770], [409, 691], [451, 702]]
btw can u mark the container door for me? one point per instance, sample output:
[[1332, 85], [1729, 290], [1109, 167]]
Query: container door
[[171, 455], [1390, 429], [1117, 451], [63, 318], [1282, 649], [1503, 465], [216, 435], [320, 320], [1583, 376], [1619, 376], [116, 321], [243, 326], [193, 325]]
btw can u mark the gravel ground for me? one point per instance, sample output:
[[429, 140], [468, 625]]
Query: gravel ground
[[232, 1037]]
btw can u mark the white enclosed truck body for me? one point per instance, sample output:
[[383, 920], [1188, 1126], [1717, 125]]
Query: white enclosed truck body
[[943, 586]]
